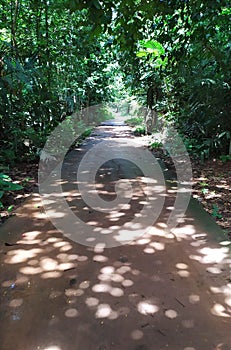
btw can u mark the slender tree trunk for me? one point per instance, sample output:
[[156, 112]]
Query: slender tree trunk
[[15, 6], [38, 33], [47, 44]]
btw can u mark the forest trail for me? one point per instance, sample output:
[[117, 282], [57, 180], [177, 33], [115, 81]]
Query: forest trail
[[161, 291]]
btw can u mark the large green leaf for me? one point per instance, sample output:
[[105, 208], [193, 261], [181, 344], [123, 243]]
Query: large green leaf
[[155, 47]]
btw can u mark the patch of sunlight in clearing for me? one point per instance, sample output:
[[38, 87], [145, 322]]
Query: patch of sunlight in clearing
[[149, 250], [194, 298], [117, 278], [52, 347], [97, 229], [162, 225], [225, 243], [157, 245], [66, 266], [65, 248], [73, 292], [21, 255], [52, 213], [183, 232], [29, 270], [145, 308], [99, 248], [219, 310], [105, 231], [93, 223], [214, 270], [198, 243], [188, 323], [114, 227], [104, 278], [171, 314], [107, 270], [127, 283], [171, 191], [123, 269], [16, 302], [138, 215], [170, 208], [153, 231], [101, 288], [82, 258], [84, 285], [114, 215], [195, 257], [224, 289], [213, 255], [116, 292], [31, 235], [103, 311], [64, 256], [183, 273], [60, 244], [137, 334], [126, 206], [48, 264], [53, 239], [91, 302], [143, 202], [90, 239], [71, 257], [35, 241], [181, 266], [71, 313], [143, 241], [51, 274]]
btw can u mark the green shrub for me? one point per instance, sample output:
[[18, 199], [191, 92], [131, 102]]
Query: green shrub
[[6, 184]]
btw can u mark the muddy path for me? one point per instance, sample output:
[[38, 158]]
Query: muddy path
[[159, 291]]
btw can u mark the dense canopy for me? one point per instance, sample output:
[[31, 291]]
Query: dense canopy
[[57, 57]]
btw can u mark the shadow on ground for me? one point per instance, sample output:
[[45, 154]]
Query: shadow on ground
[[161, 291]]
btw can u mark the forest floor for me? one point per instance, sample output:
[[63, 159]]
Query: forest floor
[[211, 187]]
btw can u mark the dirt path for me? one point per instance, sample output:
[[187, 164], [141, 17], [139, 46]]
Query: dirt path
[[161, 291]]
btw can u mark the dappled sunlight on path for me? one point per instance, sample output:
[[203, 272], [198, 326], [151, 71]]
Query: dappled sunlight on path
[[163, 290]]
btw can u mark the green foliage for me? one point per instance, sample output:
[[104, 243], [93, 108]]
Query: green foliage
[[134, 121], [47, 73], [216, 212], [140, 130], [204, 191], [81, 53], [155, 145], [225, 158], [6, 185]]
